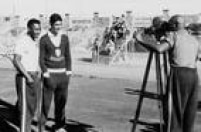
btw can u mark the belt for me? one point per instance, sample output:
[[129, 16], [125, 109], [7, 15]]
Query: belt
[[57, 70]]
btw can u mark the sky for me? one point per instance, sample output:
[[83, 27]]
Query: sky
[[104, 7]]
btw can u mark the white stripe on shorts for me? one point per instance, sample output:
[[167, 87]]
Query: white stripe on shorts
[[23, 114]]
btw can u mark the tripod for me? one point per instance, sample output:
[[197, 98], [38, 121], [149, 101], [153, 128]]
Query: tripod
[[161, 77]]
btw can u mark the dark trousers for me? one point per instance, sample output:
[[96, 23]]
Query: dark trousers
[[57, 85], [26, 110], [183, 83]]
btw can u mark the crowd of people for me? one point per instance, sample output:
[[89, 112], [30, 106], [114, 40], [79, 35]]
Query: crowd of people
[[113, 37]]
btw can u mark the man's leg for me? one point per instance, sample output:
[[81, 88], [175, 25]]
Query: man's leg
[[61, 94], [184, 81], [191, 106], [48, 88], [21, 101], [167, 103], [31, 101], [177, 111], [18, 105]]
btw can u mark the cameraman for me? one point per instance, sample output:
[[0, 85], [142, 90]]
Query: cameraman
[[183, 79]]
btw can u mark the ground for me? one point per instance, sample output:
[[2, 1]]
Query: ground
[[98, 98]]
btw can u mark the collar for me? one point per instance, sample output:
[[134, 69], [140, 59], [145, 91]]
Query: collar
[[36, 41], [51, 35]]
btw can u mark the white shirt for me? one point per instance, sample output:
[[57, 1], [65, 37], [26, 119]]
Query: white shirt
[[28, 49], [185, 49], [55, 39]]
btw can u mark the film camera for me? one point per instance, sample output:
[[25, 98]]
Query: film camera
[[159, 28]]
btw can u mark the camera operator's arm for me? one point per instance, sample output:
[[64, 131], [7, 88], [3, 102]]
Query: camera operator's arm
[[146, 41], [199, 52]]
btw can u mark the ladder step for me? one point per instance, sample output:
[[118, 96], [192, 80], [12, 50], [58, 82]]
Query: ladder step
[[145, 94], [146, 122]]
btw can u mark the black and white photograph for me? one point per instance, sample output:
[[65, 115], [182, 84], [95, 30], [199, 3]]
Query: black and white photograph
[[100, 66]]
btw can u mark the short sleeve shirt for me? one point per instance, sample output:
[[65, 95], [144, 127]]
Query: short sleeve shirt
[[184, 49], [28, 49]]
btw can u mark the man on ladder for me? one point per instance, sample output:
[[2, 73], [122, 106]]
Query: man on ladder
[[26, 61]]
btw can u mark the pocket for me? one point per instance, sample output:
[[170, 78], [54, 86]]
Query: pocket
[[31, 84], [67, 76], [48, 82]]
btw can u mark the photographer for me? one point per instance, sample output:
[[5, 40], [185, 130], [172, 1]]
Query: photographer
[[183, 79]]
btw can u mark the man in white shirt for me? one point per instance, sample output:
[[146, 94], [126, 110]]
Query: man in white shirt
[[26, 61]]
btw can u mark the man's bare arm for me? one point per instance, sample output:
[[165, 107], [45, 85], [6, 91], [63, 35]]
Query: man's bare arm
[[160, 48], [199, 52], [18, 65]]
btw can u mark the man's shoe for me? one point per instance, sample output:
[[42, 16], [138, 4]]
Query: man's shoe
[[41, 129], [61, 130]]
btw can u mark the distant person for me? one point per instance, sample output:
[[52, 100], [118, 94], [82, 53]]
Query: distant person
[[106, 34], [110, 47], [96, 45], [183, 79], [26, 58], [55, 62], [132, 42], [110, 42], [115, 22]]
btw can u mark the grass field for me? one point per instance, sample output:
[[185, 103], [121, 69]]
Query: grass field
[[98, 100], [98, 94]]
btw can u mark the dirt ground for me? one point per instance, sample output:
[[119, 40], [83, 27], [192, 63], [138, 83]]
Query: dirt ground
[[98, 99]]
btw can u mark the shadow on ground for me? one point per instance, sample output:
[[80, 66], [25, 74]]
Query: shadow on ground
[[153, 127], [146, 126], [10, 123], [87, 60], [150, 126], [8, 114], [131, 91]]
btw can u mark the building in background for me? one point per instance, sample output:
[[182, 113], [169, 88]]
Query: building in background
[[44, 19], [142, 22], [66, 21], [100, 21], [129, 20]]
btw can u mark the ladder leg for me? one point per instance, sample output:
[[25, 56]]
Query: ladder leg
[[165, 64], [139, 105], [39, 116], [165, 94], [159, 88]]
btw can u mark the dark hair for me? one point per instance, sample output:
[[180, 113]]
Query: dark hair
[[157, 21], [55, 17], [31, 22]]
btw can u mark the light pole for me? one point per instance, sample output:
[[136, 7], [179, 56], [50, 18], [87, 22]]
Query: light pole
[[46, 7], [13, 7]]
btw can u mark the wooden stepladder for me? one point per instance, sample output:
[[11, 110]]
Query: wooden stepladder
[[161, 78]]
